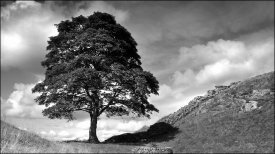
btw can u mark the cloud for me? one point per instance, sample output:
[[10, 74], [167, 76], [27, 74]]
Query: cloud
[[18, 5], [199, 68], [21, 103], [223, 61], [4, 106], [58, 136], [64, 134], [120, 15], [108, 127], [52, 133], [159, 34], [171, 98], [27, 25], [218, 18], [25, 28], [113, 124]]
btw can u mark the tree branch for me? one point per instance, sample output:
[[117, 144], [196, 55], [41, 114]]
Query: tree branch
[[110, 103], [105, 107], [86, 110]]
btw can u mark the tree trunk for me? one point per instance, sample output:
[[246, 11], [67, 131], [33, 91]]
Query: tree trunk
[[92, 132]]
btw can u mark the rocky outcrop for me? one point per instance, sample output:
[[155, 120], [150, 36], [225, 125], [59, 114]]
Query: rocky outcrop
[[260, 92], [251, 105]]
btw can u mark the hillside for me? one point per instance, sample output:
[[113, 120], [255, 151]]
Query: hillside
[[234, 118], [14, 140]]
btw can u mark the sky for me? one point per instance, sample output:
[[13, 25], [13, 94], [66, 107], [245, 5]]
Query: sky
[[189, 46]]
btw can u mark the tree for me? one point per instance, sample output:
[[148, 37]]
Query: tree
[[93, 66]]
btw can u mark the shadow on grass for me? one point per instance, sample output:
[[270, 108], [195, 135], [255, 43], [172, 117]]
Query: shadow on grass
[[157, 132]]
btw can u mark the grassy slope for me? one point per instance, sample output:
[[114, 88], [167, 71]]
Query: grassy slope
[[223, 128], [14, 140]]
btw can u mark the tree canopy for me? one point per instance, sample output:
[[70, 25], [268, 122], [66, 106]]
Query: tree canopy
[[93, 66]]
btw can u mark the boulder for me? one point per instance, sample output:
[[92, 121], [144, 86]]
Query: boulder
[[251, 105]]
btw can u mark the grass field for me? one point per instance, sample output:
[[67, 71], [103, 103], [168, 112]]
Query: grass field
[[14, 140]]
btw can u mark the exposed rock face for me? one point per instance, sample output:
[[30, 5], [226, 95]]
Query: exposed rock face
[[252, 105], [260, 92]]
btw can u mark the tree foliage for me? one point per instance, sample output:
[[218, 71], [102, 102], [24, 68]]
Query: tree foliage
[[93, 66]]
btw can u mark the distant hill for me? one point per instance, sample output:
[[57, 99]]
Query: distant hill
[[234, 118]]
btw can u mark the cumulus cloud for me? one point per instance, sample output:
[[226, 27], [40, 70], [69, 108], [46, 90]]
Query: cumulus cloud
[[223, 61], [58, 135], [200, 67], [4, 106], [113, 124], [21, 103]]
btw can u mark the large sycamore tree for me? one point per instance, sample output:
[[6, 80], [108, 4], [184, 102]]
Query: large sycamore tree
[[92, 65]]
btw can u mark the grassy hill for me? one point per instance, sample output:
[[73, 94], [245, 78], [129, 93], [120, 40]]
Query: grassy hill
[[221, 121], [234, 118]]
